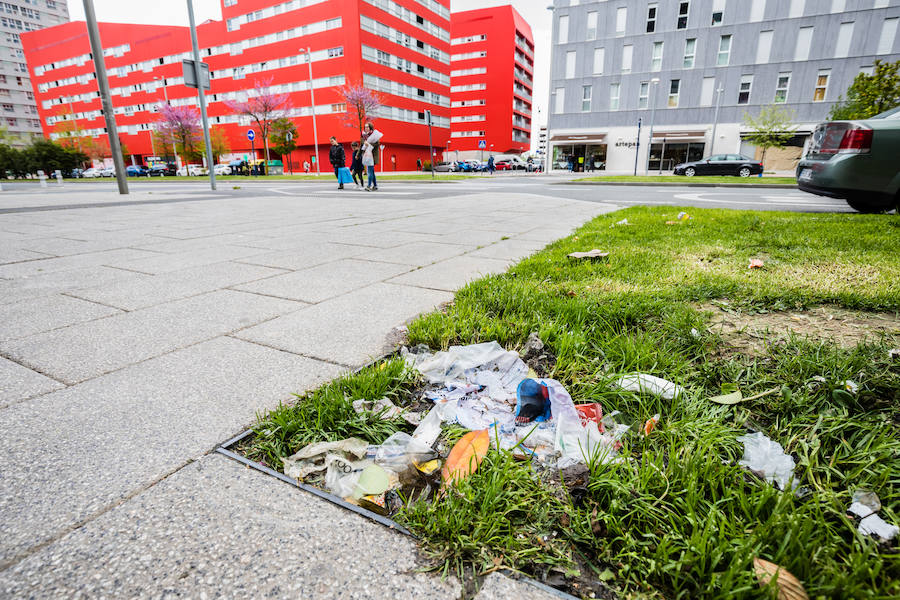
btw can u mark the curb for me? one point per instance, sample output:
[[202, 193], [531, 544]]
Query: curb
[[778, 186]]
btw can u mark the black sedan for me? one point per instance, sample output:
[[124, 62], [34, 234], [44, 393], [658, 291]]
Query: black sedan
[[161, 170], [721, 164]]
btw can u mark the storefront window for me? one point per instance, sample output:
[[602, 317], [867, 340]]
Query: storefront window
[[673, 153], [580, 158]]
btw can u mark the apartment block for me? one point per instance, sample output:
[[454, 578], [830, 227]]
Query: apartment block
[[687, 69], [492, 82], [17, 103], [398, 48]]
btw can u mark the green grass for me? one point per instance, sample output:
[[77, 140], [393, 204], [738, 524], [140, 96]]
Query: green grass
[[687, 180], [678, 518]]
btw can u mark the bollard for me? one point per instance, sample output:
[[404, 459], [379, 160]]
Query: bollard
[[59, 177], [43, 177]]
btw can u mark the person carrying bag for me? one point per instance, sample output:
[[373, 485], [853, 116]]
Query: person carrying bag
[[371, 148]]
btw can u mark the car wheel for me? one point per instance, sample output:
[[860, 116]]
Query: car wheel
[[873, 206], [690, 172], [744, 172]]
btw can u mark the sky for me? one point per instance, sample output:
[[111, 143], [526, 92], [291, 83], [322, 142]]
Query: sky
[[174, 12]]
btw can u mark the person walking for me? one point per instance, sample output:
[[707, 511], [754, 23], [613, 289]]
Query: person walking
[[338, 159], [418, 164], [356, 164], [370, 154], [306, 166], [491, 164]]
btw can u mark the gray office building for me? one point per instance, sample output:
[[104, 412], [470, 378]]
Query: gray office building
[[692, 69], [18, 111]]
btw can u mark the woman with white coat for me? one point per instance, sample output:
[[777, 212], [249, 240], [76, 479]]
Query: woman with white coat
[[370, 154]]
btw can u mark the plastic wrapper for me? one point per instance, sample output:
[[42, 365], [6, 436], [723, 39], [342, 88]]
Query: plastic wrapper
[[767, 458], [400, 452], [648, 384], [313, 458], [865, 504], [342, 475], [429, 429]]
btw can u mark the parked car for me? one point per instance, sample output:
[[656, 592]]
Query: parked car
[[503, 165], [160, 170], [721, 164], [222, 170], [91, 173], [107, 172], [75, 173], [476, 166], [463, 166], [517, 164], [137, 171], [445, 167], [192, 171], [856, 161]]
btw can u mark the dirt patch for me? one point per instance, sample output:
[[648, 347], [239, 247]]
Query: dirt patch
[[748, 333]]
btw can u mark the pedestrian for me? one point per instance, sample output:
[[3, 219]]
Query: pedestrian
[[370, 154], [306, 166], [491, 165], [356, 165], [418, 164], [337, 159]]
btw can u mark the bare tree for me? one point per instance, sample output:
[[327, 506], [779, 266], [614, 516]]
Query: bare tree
[[362, 105], [182, 124], [263, 107]]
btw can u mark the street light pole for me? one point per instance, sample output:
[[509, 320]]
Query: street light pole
[[112, 133], [430, 147], [712, 142], [653, 83], [198, 73], [637, 147], [312, 100]]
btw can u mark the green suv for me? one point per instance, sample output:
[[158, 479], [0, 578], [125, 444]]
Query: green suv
[[858, 161]]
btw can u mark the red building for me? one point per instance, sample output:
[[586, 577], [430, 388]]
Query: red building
[[491, 78], [398, 48]]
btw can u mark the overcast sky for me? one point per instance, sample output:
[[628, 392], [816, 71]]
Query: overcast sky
[[174, 12]]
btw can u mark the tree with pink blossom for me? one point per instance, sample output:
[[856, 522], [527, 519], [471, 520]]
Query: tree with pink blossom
[[262, 107], [181, 124], [362, 106]]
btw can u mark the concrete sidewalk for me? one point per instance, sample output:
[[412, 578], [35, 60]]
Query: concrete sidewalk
[[134, 338]]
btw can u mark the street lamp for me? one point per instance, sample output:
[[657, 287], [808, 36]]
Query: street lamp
[[548, 153], [712, 143], [653, 82], [312, 100]]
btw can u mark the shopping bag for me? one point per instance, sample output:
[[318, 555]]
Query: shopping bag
[[344, 175]]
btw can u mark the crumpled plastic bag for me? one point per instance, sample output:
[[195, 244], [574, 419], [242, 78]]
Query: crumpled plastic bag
[[388, 409], [767, 458], [400, 452], [429, 429], [643, 383], [459, 365], [866, 505], [313, 458]]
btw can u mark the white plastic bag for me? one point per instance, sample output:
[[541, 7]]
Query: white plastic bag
[[313, 457], [648, 384], [767, 458]]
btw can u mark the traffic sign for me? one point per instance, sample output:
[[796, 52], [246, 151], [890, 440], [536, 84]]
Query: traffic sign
[[190, 75], [482, 144], [251, 135], [289, 136]]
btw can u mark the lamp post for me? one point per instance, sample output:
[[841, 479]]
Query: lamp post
[[198, 73], [653, 83], [430, 147], [312, 100], [637, 147], [553, 36], [712, 142]]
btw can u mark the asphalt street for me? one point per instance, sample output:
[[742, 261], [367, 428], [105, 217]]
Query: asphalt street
[[55, 196]]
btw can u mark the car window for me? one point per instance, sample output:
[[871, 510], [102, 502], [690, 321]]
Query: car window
[[736, 157], [894, 113], [718, 157]]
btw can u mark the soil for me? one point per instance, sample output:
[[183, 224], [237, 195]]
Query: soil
[[749, 333]]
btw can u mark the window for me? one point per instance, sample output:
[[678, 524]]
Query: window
[[838, 5], [674, 90], [797, 7], [559, 100], [651, 18], [880, 3], [683, 10], [586, 92], [744, 90], [614, 96], [644, 95], [757, 10], [718, 12], [888, 33], [690, 51], [599, 57], [781, 88], [335, 52], [845, 35], [570, 64], [621, 18], [562, 30], [804, 40], [627, 55], [724, 55], [764, 47], [706, 91], [821, 85], [592, 25], [656, 57]]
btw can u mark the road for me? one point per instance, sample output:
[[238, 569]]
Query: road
[[553, 187]]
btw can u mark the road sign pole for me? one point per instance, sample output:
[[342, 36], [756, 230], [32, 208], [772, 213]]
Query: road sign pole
[[198, 70], [430, 148]]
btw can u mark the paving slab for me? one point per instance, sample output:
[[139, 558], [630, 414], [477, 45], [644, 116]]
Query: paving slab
[[174, 285], [36, 286], [50, 265], [11, 254], [453, 273], [165, 263], [419, 254], [325, 281], [512, 249], [498, 586], [350, 329], [306, 256], [33, 316], [19, 383], [79, 352], [67, 455]]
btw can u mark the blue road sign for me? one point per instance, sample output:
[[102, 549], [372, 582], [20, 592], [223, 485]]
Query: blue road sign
[[482, 144], [251, 134]]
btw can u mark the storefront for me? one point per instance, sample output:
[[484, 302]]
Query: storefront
[[579, 153], [670, 148]]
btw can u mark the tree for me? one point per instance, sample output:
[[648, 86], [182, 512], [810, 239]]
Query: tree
[[869, 95], [772, 128], [163, 145], [279, 136], [263, 108], [219, 142], [44, 155], [181, 124], [362, 105]]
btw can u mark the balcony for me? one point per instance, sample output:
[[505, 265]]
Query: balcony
[[523, 45], [523, 76], [521, 92]]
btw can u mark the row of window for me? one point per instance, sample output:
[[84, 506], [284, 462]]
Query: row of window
[[15, 123], [802, 46], [797, 8], [408, 16], [399, 37], [707, 90], [464, 72], [401, 64], [468, 39], [472, 87], [406, 91]]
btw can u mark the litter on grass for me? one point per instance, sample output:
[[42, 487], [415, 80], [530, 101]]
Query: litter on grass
[[755, 263], [648, 384], [767, 458], [865, 505], [591, 255]]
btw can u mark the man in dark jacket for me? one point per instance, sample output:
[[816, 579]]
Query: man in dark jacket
[[337, 159]]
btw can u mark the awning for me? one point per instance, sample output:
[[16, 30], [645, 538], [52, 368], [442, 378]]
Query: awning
[[679, 136], [590, 138]]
